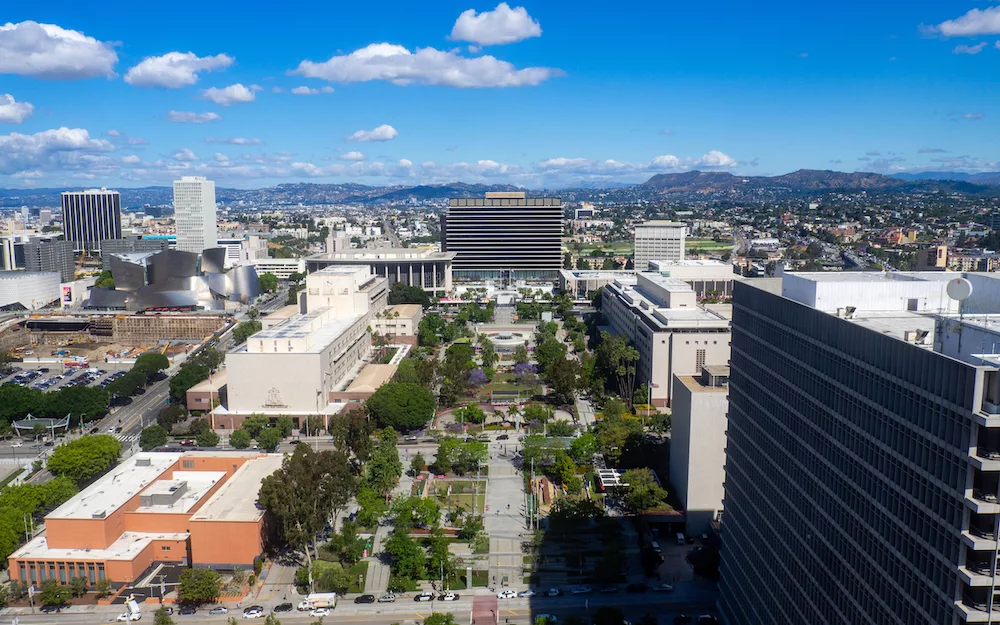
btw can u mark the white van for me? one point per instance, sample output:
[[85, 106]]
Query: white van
[[680, 539]]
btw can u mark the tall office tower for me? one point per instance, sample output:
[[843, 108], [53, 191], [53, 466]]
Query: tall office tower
[[194, 214], [91, 216], [44, 217], [658, 240], [863, 452], [44, 256], [505, 236]]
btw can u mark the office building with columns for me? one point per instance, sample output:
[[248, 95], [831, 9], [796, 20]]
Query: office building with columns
[[425, 268]]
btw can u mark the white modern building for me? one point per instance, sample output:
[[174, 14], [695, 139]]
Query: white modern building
[[708, 278], [282, 268], [194, 213], [425, 268], [661, 317], [291, 367], [30, 289], [698, 445], [658, 240]]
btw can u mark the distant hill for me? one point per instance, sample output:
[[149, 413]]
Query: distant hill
[[986, 178]]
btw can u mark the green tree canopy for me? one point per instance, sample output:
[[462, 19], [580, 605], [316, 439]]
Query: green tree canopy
[[521, 355], [85, 458], [644, 492], [246, 328], [401, 406], [188, 375], [208, 438], [437, 618], [269, 438], [268, 282], [240, 439], [152, 436], [563, 375], [199, 586], [255, 423], [150, 363], [471, 413]]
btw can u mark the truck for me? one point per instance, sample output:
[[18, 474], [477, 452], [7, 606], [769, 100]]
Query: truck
[[322, 600]]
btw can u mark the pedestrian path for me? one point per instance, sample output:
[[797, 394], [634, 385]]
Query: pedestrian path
[[127, 438], [505, 520], [377, 581]]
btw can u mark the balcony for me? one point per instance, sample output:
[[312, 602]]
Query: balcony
[[986, 459], [974, 611], [982, 502], [979, 541]]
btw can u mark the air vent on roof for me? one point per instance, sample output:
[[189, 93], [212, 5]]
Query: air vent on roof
[[849, 312], [142, 462], [99, 514]]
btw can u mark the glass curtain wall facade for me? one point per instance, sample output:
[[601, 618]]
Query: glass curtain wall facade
[[90, 217]]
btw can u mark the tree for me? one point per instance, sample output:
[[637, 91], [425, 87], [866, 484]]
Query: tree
[[417, 464], [564, 468], [384, 468], [537, 413], [583, 448], [169, 416], [521, 355], [152, 436], [151, 363], [207, 438], [487, 352], [560, 428], [160, 617], [240, 439], [246, 328], [563, 376], [403, 294], [616, 360], [401, 406], [185, 378], [198, 426], [408, 559], [471, 413], [348, 545], [438, 557], [104, 280], [643, 492], [127, 385], [255, 423], [286, 425], [104, 587], [352, 433], [199, 586], [78, 586], [268, 282], [457, 456], [437, 618], [55, 594], [548, 352], [413, 511], [269, 439], [85, 458]]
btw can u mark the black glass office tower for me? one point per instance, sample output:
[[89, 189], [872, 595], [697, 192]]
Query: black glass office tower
[[90, 217]]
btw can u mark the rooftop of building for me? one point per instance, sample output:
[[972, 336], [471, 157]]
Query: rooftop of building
[[386, 254], [596, 274], [371, 377], [22, 275], [692, 262], [215, 382], [112, 490], [304, 326], [126, 547], [192, 486], [94, 191], [236, 500], [406, 311], [661, 223]]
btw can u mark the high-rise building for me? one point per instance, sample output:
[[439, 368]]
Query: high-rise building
[[52, 255], [194, 213], [504, 236], [863, 451], [90, 217], [658, 240]]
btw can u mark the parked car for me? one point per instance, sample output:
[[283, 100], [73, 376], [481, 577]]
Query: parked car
[[365, 599], [580, 590], [553, 592], [219, 610], [387, 598], [424, 596], [607, 590], [503, 437], [663, 588], [507, 594], [283, 607], [125, 617], [526, 593], [448, 596], [254, 611], [188, 610], [17, 444], [305, 606], [320, 612]]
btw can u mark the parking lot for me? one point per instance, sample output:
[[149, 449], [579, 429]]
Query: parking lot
[[55, 377]]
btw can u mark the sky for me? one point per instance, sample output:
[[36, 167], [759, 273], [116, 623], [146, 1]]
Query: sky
[[538, 94]]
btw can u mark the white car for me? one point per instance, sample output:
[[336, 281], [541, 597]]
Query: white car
[[448, 596], [507, 594], [17, 444], [320, 612], [580, 590], [305, 605], [424, 596], [526, 593], [126, 617]]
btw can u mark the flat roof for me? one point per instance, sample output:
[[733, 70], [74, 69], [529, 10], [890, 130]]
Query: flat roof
[[371, 377], [694, 384], [876, 276], [896, 323], [216, 381], [385, 253], [112, 490], [299, 327], [196, 485], [237, 499], [407, 311], [126, 547], [662, 223]]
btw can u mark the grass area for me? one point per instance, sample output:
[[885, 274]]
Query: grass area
[[619, 246], [10, 478], [480, 579], [707, 245], [466, 502], [361, 568]]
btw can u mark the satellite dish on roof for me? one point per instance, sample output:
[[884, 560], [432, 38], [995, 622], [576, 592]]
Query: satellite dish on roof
[[959, 289]]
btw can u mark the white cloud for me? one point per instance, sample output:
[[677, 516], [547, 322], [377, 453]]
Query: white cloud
[[385, 132], [975, 22], [404, 162], [48, 51], [352, 156], [233, 94], [666, 161], [113, 133], [715, 158], [277, 90], [83, 176], [192, 118], [221, 158], [131, 159], [185, 154], [12, 111], [964, 49], [60, 148], [972, 116], [666, 131], [256, 88], [138, 141], [326, 89], [499, 26], [174, 69], [305, 91], [235, 141], [28, 173], [426, 66]]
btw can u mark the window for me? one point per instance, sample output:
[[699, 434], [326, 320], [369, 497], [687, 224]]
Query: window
[[912, 303], [90, 572], [100, 571], [699, 360], [165, 548], [187, 464]]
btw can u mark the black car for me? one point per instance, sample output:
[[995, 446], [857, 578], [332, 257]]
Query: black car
[[285, 607], [188, 609], [503, 437], [47, 609], [364, 599]]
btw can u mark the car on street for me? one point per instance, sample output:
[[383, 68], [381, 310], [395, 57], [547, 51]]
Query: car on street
[[254, 611], [17, 444], [424, 596], [448, 596], [387, 598], [553, 592], [320, 612], [284, 607], [607, 590], [580, 590], [188, 442], [365, 599], [125, 617], [187, 610], [507, 594], [526, 593], [219, 610], [663, 588]]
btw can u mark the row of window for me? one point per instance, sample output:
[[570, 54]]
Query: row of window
[[38, 572]]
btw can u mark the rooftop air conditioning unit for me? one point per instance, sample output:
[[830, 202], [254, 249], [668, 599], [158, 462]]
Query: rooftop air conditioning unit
[[849, 312]]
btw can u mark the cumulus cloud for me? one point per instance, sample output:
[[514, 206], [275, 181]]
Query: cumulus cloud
[[972, 116], [404, 162], [48, 51], [277, 90], [60, 148], [185, 117], [221, 158], [715, 158], [12, 111], [873, 153], [964, 49], [174, 69], [665, 161], [235, 141], [185, 154], [233, 94], [352, 156], [304, 91], [385, 132], [131, 159], [426, 66], [138, 141], [975, 22], [500, 26]]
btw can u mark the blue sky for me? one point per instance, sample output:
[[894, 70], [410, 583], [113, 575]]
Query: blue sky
[[536, 93]]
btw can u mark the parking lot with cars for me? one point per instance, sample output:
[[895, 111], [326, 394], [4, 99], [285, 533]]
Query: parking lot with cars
[[55, 377]]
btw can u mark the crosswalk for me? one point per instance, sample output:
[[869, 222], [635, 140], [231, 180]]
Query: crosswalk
[[127, 438]]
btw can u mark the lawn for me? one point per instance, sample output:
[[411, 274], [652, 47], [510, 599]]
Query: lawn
[[707, 245], [480, 579], [620, 247], [361, 568]]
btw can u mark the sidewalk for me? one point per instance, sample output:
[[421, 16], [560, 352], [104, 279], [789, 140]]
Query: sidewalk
[[504, 520], [377, 581]]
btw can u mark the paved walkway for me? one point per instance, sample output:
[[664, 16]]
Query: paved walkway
[[505, 521], [377, 581]]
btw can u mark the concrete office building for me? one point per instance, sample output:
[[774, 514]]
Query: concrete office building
[[90, 217], [399, 323], [129, 244], [708, 278], [28, 289], [291, 367], [194, 508], [504, 236], [861, 468], [51, 255], [282, 268], [661, 318], [581, 283], [430, 270], [658, 240], [194, 213], [698, 445]]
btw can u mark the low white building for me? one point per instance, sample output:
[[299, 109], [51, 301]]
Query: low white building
[[708, 278], [30, 289], [292, 366], [282, 268], [698, 445], [674, 335]]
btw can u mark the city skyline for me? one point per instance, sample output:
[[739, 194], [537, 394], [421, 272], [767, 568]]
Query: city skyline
[[399, 94]]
